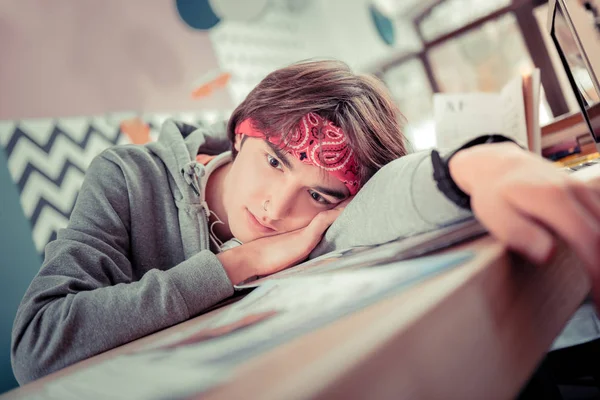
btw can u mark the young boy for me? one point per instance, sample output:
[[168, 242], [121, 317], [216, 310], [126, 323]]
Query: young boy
[[163, 231]]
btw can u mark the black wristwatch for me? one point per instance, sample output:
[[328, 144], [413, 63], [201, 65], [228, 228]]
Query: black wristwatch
[[441, 171]]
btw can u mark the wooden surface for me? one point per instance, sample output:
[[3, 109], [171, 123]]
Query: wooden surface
[[476, 331]]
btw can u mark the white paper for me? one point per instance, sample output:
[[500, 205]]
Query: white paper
[[461, 117], [513, 115]]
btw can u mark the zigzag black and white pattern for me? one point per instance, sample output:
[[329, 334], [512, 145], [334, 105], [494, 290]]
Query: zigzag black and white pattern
[[47, 159]]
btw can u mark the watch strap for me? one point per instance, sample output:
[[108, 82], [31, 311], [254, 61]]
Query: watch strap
[[441, 170]]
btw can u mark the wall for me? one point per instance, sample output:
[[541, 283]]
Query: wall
[[19, 262], [289, 31], [249, 50], [343, 29], [64, 58]]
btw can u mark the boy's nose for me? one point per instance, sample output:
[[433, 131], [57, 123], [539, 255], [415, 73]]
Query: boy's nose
[[280, 203]]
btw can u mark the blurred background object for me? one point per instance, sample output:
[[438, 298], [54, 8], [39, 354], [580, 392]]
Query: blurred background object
[[236, 10], [209, 82], [88, 58], [79, 75], [197, 14], [593, 10]]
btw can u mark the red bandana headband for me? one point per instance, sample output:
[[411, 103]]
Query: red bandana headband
[[318, 142]]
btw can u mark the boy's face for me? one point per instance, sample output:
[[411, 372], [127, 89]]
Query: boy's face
[[296, 192]]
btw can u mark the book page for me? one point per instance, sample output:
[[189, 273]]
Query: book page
[[513, 112], [531, 97], [462, 117]]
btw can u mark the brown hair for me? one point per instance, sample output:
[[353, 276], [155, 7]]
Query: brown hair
[[359, 104]]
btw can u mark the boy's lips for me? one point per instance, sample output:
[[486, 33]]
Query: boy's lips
[[257, 224]]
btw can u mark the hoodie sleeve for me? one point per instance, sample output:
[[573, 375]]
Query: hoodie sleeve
[[401, 199], [85, 299]]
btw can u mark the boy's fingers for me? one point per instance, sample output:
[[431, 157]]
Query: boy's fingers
[[589, 196], [322, 221], [518, 232], [562, 212]]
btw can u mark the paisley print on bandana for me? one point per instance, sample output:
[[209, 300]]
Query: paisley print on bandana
[[316, 141]]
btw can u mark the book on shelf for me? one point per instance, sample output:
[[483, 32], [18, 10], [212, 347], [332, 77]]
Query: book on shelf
[[512, 112], [571, 126]]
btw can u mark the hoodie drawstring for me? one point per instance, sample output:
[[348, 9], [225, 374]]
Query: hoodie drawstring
[[192, 174]]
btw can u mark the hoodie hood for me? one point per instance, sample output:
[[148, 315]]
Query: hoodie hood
[[177, 147]]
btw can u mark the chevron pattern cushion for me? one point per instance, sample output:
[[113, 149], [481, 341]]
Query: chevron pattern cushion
[[47, 159]]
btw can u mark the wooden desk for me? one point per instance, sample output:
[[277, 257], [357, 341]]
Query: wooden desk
[[476, 331]]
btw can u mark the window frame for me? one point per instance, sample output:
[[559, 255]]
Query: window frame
[[530, 31]]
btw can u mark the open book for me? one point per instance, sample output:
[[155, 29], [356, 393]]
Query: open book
[[513, 112]]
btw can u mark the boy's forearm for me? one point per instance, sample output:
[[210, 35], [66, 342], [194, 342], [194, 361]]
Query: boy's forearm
[[270, 254], [75, 326], [238, 262], [267, 255]]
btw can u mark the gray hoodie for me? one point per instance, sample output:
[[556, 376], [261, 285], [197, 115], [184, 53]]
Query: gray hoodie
[[135, 256]]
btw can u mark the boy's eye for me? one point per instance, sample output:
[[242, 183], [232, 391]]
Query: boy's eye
[[273, 162], [318, 198]]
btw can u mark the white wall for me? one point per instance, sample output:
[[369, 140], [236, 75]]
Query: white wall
[[343, 29], [81, 57], [340, 29], [250, 50]]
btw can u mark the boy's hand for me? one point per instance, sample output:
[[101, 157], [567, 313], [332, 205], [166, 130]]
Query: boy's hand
[[527, 203], [271, 254]]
